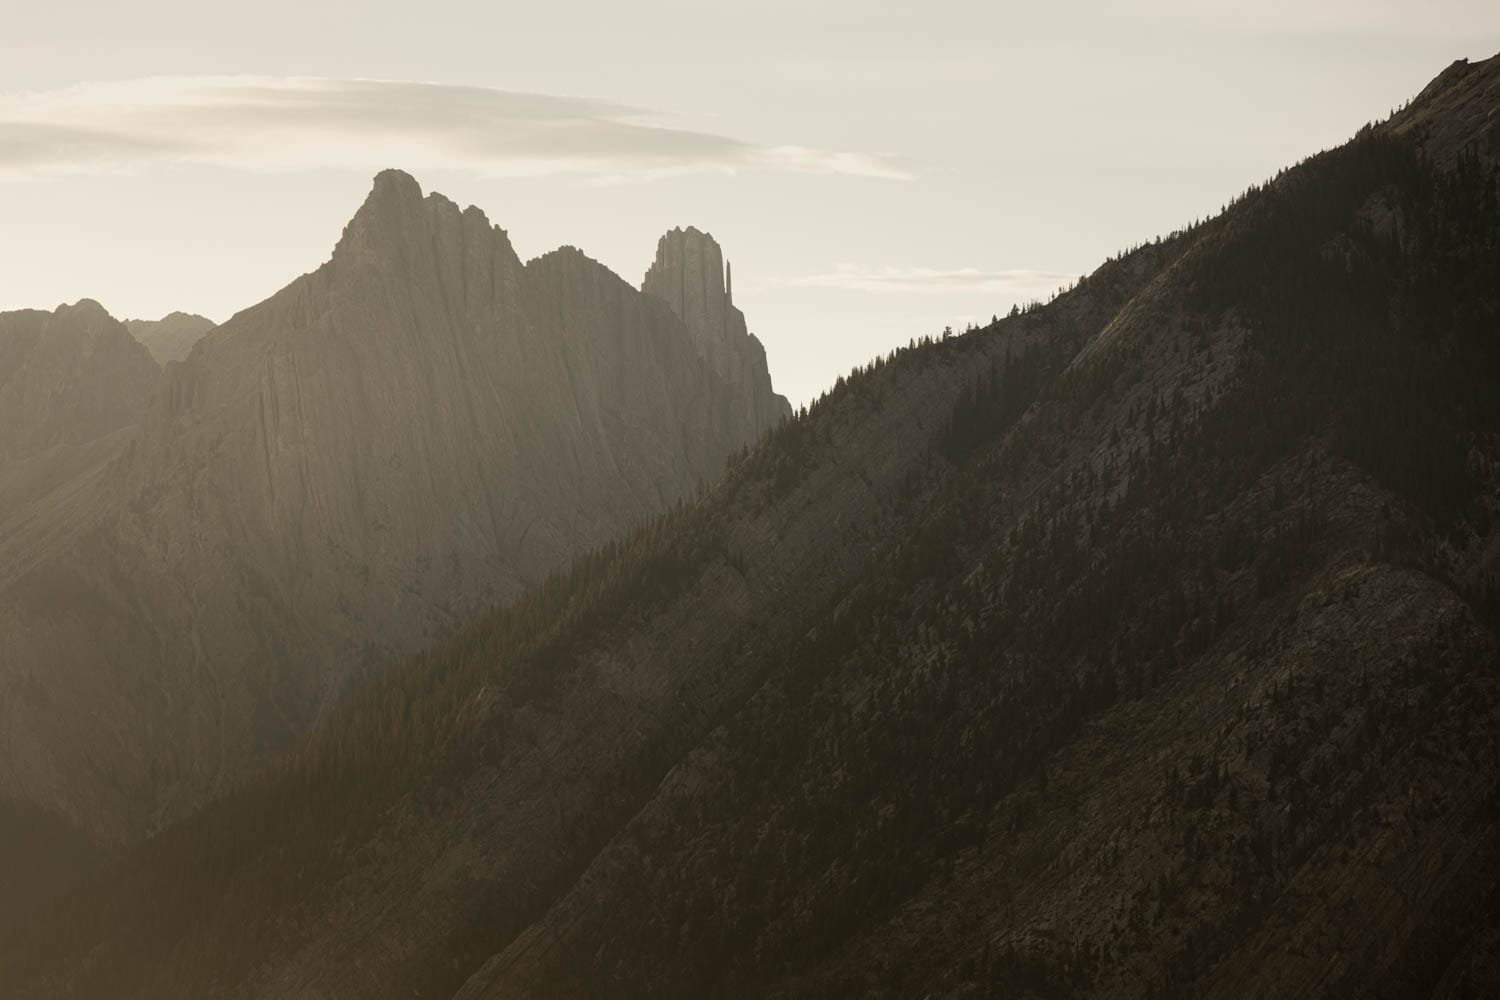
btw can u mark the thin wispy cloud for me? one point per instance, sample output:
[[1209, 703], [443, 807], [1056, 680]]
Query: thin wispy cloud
[[302, 122], [921, 279]]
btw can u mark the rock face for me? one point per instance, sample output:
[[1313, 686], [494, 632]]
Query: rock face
[[342, 474], [691, 276], [68, 377], [171, 337]]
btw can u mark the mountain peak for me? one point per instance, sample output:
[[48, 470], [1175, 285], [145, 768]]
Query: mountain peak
[[393, 193], [688, 273], [392, 182], [396, 209]]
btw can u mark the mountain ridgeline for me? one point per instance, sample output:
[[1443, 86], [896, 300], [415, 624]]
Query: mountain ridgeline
[[331, 480], [1141, 644], [67, 378], [171, 337]]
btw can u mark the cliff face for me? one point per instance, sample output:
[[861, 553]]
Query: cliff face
[[339, 475], [690, 275], [171, 337], [68, 377]]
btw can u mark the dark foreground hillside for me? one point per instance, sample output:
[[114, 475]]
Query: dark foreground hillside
[[1144, 643]]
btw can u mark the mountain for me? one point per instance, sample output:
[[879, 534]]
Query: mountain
[[171, 337], [73, 383], [335, 478], [68, 377], [1143, 643], [691, 275]]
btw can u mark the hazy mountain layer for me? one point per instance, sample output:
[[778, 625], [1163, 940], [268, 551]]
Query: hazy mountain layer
[[1142, 644], [67, 377], [339, 475], [171, 337]]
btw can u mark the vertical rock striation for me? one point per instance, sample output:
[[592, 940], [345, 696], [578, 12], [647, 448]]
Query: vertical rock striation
[[691, 276], [345, 473]]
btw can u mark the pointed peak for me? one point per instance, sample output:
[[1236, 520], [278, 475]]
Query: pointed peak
[[395, 184], [396, 201], [394, 195], [394, 207]]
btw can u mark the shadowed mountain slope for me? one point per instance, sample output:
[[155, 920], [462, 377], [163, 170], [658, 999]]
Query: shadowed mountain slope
[[1142, 644]]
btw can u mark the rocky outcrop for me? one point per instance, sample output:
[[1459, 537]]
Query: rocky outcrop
[[340, 475], [68, 377], [1455, 113], [691, 276], [171, 337]]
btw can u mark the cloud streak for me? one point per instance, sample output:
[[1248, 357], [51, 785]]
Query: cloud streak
[[291, 123], [921, 279]]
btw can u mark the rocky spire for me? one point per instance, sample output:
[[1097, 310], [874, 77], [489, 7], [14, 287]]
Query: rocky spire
[[690, 275]]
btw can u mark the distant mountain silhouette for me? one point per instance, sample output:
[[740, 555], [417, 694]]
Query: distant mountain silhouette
[[68, 377], [1141, 644], [334, 478], [171, 337]]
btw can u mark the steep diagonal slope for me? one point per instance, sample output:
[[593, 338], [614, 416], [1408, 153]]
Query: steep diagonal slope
[[339, 475], [1454, 113], [1143, 644]]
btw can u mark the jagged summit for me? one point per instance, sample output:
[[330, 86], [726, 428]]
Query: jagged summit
[[396, 214], [690, 275], [347, 471]]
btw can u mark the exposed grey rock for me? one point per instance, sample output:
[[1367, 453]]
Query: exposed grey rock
[[690, 275], [344, 473]]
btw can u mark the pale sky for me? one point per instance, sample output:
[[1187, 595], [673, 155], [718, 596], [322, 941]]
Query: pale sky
[[873, 170]]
